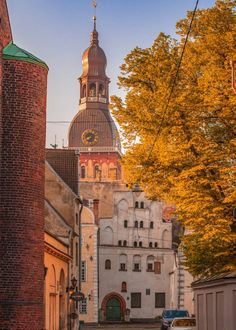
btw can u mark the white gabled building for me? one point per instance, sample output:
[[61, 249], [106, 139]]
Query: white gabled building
[[135, 259]]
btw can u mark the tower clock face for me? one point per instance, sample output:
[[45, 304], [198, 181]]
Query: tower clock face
[[90, 137]]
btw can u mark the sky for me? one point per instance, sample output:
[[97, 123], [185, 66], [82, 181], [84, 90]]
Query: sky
[[58, 31]]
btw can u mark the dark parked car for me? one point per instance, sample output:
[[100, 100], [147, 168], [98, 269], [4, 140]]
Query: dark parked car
[[169, 314]]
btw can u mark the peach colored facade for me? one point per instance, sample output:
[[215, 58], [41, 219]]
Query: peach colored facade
[[56, 261]]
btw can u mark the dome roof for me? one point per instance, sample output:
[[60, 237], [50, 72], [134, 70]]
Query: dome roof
[[94, 59], [98, 121]]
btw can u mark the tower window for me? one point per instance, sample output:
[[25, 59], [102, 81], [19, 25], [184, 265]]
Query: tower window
[[151, 225], [142, 205], [136, 205], [136, 224], [135, 244], [101, 90], [156, 245], [120, 243], [140, 244], [92, 90], [125, 223], [124, 243], [84, 91], [150, 244], [141, 224]]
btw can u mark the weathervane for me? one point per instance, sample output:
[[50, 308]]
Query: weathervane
[[94, 17]]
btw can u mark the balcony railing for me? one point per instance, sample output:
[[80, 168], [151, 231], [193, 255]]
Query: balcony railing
[[94, 99]]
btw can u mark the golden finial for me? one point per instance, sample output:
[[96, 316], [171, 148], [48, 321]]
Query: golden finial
[[94, 17]]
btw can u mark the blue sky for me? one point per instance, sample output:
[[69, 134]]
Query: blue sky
[[57, 31]]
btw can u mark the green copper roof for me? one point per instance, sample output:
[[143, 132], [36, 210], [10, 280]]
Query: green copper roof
[[11, 51]]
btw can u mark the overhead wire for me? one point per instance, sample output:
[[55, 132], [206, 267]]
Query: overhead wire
[[173, 83]]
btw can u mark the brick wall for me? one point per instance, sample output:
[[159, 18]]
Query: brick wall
[[22, 196]]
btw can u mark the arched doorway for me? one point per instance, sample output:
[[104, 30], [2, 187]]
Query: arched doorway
[[114, 306], [113, 310]]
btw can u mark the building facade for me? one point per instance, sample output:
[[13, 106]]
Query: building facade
[[135, 259]]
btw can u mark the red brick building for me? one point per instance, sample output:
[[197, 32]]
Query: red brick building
[[22, 141]]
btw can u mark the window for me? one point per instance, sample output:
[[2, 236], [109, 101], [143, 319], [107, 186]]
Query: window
[[125, 223], [123, 267], [83, 271], [97, 172], [136, 300], [120, 243], [124, 243], [156, 245], [84, 91], [157, 267], [160, 300], [101, 90], [135, 244], [150, 244], [92, 90], [142, 205], [123, 262], [137, 263], [151, 225], [136, 224], [83, 172], [136, 205], [148, 292], [108, 264], [83, 306], [150, 264], [141, 224], [124, 287], [140, 244]]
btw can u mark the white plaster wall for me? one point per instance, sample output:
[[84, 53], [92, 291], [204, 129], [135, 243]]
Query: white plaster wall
[[111, 280]]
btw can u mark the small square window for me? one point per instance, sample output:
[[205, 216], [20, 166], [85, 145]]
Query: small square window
[[136, 300]]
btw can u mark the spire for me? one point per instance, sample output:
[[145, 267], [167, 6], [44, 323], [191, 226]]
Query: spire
[[94, 34]]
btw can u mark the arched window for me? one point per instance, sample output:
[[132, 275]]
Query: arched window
[[150, 244], [135, 244], [151, 225], [120, 243], [83, 172], [140, 244], [156, 245], [150, 264], [96, 171], [141, 224], [101, 90], [124, 243], [108, 264], [136, 224], [125, 223], [124, 287], [84, 91], [92, 90], [165, 239], [136, 205], [137, 263], [107, 236], [142, 205]]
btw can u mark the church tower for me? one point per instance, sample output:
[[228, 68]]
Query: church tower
[[93, 131]]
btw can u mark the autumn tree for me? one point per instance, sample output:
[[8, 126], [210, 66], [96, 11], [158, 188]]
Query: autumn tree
[[182, 148]]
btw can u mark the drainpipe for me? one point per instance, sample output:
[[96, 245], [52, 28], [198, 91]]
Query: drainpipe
[[80, 241]]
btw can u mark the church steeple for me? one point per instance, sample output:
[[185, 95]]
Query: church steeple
[[94, 81], [93, 131]]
